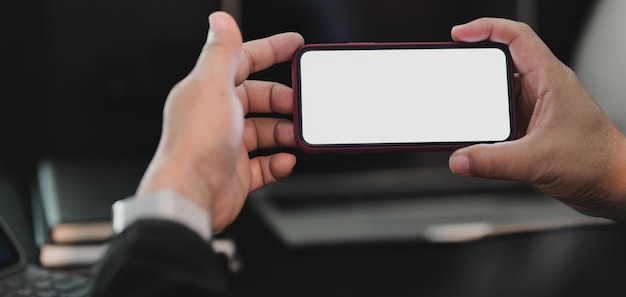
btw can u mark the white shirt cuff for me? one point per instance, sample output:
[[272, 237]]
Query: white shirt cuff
[[166, 205]]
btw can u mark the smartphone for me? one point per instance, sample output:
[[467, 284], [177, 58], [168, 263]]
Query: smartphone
[[402, 96]]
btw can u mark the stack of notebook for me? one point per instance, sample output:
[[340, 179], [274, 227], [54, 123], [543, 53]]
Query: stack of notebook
[[72, 207]]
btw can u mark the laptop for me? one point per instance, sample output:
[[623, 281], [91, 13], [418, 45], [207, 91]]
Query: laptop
[[17, 278], [419, 203]]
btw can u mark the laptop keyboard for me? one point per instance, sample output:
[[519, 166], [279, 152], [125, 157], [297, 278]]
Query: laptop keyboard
[[34, 281]]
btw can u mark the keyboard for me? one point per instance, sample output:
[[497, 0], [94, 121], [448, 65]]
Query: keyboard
[[39, 282]]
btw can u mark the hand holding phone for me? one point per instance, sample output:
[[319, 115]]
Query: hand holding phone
[[399, 96]]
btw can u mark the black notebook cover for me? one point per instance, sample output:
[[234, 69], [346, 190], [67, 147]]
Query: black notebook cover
[[81, 191]]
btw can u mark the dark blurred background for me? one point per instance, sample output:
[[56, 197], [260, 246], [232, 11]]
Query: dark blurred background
[[89, 78]]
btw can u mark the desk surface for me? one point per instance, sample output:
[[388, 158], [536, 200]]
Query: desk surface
[[586, 261], [570, 262]]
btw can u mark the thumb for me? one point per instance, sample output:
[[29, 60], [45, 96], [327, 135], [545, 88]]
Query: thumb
[[528, 51], [220, 54], [504, 161]]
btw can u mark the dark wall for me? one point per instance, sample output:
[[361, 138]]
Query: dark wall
[[560, 23], [20, 82], [90, 77], [322, 21], [110, 65]]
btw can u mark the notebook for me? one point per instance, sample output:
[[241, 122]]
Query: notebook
[[425, 203], [17, 278]]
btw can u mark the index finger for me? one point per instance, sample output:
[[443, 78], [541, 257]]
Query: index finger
[[528, 51], [262, 53]]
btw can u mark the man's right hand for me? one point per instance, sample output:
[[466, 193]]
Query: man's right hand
[[567, 147]]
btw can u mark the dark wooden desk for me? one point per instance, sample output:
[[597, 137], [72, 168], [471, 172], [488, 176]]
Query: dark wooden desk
[[570, 262], [585, 261]]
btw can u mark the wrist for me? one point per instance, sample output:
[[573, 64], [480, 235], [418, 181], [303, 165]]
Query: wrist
[[167, 173], [616, 183]]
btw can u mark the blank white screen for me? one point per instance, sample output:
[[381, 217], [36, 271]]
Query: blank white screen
[[404, 96]]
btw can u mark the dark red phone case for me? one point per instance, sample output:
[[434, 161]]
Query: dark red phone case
[[390, 147]]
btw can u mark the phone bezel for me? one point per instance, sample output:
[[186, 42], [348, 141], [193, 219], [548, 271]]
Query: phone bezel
[[383, 147]]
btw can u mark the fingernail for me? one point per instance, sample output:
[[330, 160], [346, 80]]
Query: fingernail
[[460, 165], [218, 21]]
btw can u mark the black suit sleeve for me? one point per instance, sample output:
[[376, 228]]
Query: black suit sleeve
[[160, 258]]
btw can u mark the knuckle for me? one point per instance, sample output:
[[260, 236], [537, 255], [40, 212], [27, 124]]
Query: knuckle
[[486, 164], [491, 168]]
